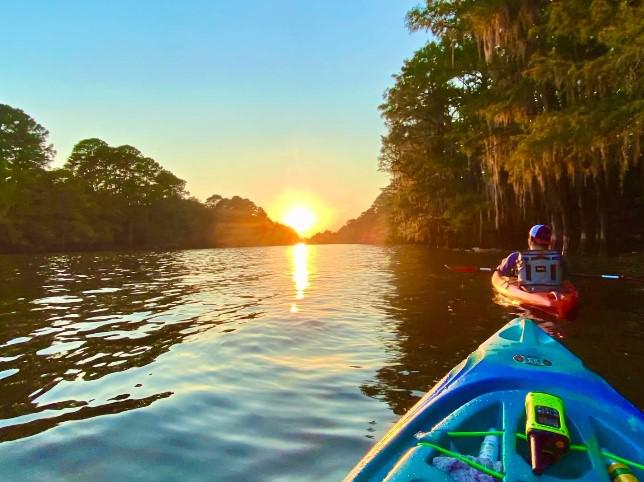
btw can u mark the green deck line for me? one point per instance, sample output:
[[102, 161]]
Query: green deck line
[[578, 448], [465, 460], [475, 434], [605, 453], [617, 458], [522, 436]]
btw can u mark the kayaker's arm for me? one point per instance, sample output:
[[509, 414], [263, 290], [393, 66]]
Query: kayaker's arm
[[508, 266]]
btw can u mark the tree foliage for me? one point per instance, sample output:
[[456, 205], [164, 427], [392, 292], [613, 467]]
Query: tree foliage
[[109, 197], [519, 112], [23, 144], [371, 227]]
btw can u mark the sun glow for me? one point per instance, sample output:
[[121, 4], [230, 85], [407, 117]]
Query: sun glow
[[301, 218], [302, 210]]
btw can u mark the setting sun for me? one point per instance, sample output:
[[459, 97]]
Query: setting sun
[[300, 218], [302, 210]]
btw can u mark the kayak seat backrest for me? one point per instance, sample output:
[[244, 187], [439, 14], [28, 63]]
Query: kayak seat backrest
[[540, 268]]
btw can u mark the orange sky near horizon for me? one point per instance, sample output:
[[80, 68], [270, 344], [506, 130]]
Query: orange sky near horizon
[[303, 211], [276, 102]]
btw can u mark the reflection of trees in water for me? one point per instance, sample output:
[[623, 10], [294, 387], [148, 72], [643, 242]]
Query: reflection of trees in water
[[439, 319], [47, 303], [28, 429]]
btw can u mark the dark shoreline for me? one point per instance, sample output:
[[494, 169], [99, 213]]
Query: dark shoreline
[[156, 249]]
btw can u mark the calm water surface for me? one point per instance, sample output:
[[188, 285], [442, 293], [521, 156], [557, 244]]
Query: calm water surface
[[271, 364]]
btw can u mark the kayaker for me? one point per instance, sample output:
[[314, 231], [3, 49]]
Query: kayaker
[[547, 263]]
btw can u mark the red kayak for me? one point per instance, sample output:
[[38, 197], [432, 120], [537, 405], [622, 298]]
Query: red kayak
[[559, 302]]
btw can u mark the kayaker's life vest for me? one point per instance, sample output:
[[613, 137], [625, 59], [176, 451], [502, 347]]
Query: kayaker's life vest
[[540, 268]]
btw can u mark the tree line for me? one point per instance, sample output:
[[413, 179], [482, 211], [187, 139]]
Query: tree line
[[107, 197], [518, 112], [371, 227]]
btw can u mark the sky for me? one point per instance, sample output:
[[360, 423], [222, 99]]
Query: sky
[[273, 100]]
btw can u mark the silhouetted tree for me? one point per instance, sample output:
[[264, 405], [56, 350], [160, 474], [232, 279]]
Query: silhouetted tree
[[519, 112], [110, 197]]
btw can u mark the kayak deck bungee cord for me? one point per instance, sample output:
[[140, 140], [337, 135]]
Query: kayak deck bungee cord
[[548, 412]]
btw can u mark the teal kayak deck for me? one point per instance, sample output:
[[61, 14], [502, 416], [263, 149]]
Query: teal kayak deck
[[488, 390]]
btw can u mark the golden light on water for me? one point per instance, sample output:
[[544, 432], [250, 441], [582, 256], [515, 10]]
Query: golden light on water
[[300, 269], [301, 218], [300, 262]]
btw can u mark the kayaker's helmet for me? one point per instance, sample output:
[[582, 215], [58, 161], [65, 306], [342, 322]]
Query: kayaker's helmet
[[540, 234]]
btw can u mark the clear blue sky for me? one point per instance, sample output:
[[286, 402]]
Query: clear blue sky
[[255, 98]]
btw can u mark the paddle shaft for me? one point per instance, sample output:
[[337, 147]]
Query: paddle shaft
[[470, 269], [484, 269], [616, 277]]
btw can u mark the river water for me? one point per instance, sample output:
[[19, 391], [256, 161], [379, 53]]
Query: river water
[[271, 364]]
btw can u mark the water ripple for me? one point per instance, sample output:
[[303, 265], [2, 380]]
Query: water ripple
[[277, 364]]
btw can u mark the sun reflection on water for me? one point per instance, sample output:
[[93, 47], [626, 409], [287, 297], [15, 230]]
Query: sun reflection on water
[[300, 261]]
